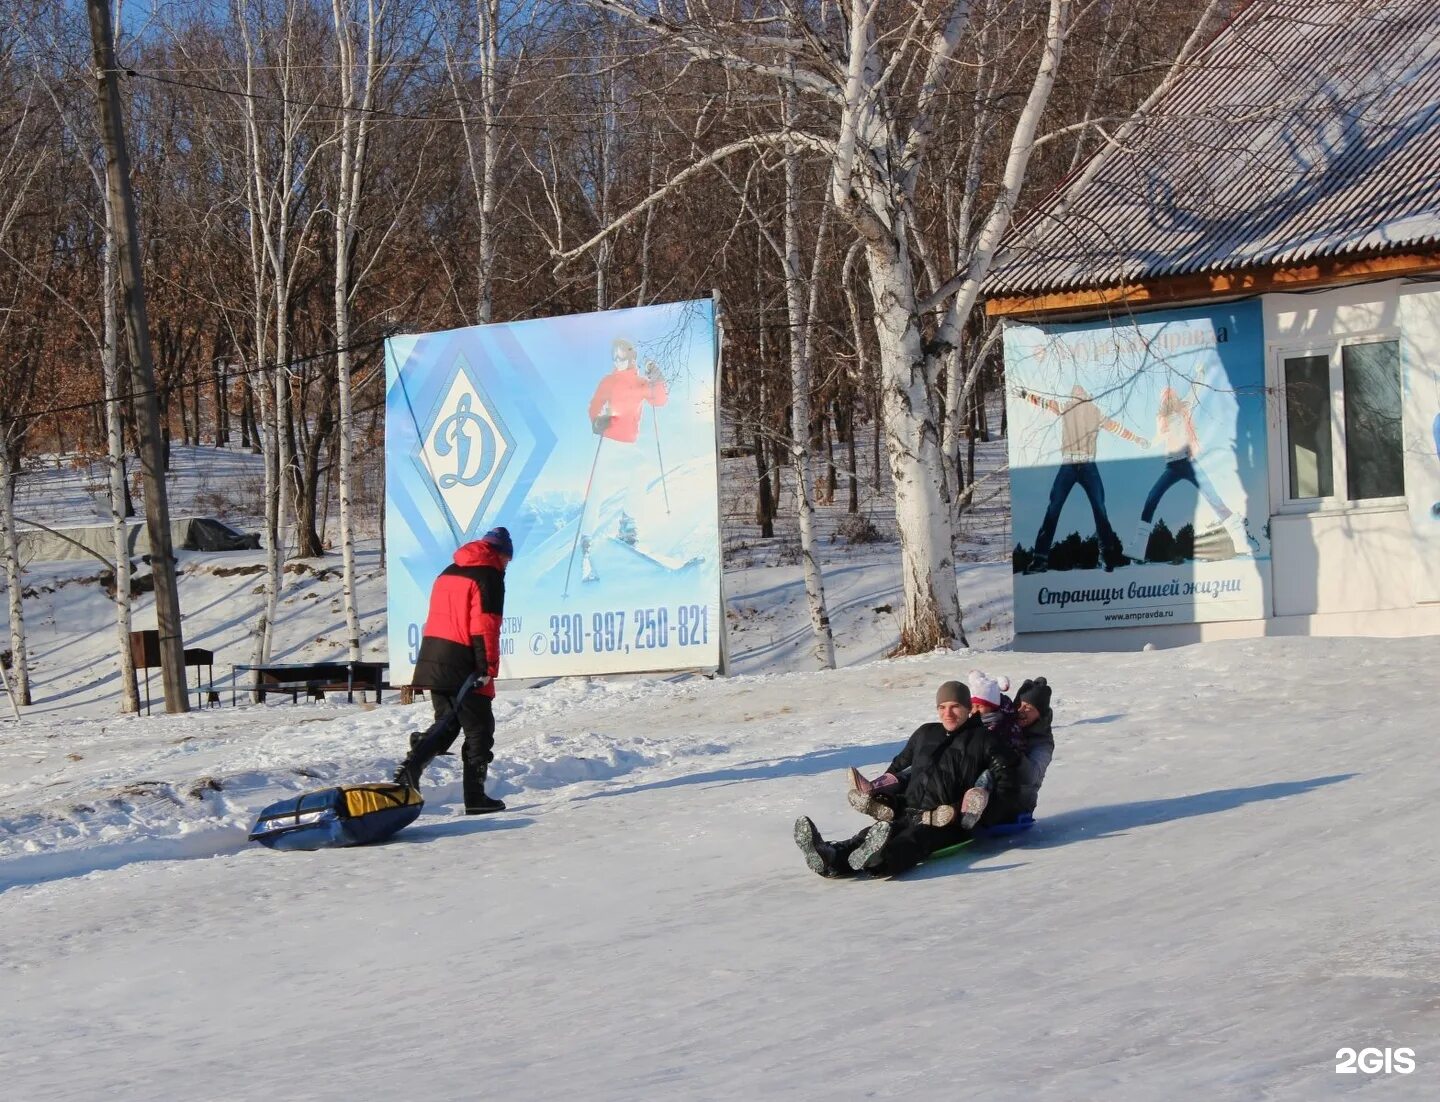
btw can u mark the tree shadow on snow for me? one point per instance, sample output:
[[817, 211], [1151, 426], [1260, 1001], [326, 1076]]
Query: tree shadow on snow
[[931, 870], [1087, 823], [1084, 823], [799, 765]]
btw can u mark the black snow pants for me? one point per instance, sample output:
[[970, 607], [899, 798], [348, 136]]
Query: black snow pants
[[477, 720], [911, 841]]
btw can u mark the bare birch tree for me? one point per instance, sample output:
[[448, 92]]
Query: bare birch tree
[[87, 143], [357, 99], [874, 81], [278, 163], [480, 79], [20, 167]]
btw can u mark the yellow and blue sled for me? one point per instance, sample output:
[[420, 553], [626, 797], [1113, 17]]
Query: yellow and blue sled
[[350, 815]]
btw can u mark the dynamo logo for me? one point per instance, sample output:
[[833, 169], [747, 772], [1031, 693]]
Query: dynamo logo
[[465, 449]]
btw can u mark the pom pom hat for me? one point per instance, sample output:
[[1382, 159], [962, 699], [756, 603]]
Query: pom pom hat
[[985, 688], [1035, 693], [499, 538]]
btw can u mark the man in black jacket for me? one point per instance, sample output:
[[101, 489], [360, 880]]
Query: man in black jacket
[[937, 766]]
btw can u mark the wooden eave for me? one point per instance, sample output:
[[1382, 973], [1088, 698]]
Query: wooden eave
[[1197, 287]]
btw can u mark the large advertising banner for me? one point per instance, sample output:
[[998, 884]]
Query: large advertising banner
[[1420, 326], [592, 439], [1138, 469]]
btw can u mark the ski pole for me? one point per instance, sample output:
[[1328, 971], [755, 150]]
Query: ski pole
[[655, 423], [580, 520]]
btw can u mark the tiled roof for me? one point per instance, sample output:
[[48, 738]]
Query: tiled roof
[[1306, 129]]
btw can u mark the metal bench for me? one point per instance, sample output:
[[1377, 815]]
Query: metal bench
[[314, 679]]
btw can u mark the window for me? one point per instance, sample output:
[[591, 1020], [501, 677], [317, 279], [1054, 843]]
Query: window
[[1307, 422], [1342, 424], [1374, 454]]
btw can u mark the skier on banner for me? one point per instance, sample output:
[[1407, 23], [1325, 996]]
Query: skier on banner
[[462, 640], [614, 413], [615, 410], [618, 400], [938, 770]]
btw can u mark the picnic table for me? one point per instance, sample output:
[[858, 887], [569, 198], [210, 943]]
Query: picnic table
[[314, 679]]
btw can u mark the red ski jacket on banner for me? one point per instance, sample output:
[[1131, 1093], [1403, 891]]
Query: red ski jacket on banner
[[623, 394], [462, 630]]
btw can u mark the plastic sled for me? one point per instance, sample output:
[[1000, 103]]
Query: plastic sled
[[994, 830], [349, 815]]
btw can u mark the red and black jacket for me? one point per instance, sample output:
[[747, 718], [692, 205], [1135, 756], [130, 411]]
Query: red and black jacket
[[462, 631]]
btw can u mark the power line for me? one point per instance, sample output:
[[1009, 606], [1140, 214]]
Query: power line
[[238, 372], [383, 114]]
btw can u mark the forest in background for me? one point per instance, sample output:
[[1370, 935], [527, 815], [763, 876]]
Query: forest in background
[[313, 176]]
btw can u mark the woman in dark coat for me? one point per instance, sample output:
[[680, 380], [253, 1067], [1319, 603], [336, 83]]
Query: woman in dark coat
[[1032, 709]]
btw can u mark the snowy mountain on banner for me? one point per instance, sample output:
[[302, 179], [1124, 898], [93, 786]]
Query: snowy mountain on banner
[[631, 536]]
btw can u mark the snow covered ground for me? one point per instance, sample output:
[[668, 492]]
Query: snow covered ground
[[1231, 880]]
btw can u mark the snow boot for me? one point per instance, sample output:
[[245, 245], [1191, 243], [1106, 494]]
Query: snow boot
[[867, 852], [408, 775], [820, 855], [941, 816], [973, 806], [869, 805], [476, 801]]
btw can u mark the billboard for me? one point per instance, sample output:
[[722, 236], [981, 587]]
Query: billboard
[[1138, 471], [592, 439]]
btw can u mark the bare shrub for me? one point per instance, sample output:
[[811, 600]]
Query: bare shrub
[[854, 528]]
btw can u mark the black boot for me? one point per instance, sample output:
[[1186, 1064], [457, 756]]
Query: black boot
[[820, 855], [476, 802], [866, 847], [409, 774]]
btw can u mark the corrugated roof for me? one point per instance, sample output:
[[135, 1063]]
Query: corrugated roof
[[1306, 129]]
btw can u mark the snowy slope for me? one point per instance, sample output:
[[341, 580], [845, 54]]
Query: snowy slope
[[1230, 881]]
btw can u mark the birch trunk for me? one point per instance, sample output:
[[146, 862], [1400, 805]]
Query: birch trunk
[[354, 132], [488, 13], [14, 579], [115, 467], [273, 183], [912, 449], [800, 386]]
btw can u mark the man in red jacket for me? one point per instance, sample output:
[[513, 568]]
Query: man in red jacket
[[461, 638]]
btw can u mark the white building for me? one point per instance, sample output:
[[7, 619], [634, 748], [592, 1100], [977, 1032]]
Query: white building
[[1278, 208]]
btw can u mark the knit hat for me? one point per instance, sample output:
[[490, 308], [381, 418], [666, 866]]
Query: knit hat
[[952, 692], [499, 539], [986, 688], [1036, 693]]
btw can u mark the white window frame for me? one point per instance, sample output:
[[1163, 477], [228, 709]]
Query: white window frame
[[1339, 501]]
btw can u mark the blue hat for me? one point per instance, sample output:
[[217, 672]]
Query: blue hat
[[499, 538]]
